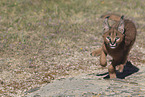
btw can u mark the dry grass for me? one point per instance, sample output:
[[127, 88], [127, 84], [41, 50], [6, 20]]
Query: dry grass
[[43, 40]]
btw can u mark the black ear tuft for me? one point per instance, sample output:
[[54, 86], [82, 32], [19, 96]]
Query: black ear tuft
[[107, 17], [122, 17], [121, 25], [106, 26]]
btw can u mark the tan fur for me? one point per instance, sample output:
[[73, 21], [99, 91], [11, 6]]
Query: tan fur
[[96, 52], [114, 17], [118, 41]]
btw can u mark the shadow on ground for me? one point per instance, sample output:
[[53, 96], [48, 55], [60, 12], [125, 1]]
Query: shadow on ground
[[128, 70]]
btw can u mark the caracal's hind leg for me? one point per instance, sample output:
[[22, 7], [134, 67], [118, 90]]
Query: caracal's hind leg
[[120, 67], [103, 61]]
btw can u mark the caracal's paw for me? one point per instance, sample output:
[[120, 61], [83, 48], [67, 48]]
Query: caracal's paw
[[96, 52]]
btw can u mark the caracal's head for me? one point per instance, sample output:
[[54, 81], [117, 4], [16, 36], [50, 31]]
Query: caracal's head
[[113, 35]]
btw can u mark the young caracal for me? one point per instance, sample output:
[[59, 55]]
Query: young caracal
[[118, 40]]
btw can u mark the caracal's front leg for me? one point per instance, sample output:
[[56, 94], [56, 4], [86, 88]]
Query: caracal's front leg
[[112, 71], [103, 61], [96, 52]]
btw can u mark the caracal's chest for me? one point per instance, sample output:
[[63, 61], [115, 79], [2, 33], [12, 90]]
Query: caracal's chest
[[115, 53]]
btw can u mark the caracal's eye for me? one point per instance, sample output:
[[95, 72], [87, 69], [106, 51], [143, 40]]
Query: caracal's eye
[[117, 38], [108, 38]]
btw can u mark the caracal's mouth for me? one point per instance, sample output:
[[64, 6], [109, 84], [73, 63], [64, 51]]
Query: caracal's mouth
[[113, 46]]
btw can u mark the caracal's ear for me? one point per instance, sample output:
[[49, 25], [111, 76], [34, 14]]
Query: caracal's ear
[[106, 26], [121, 25]]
